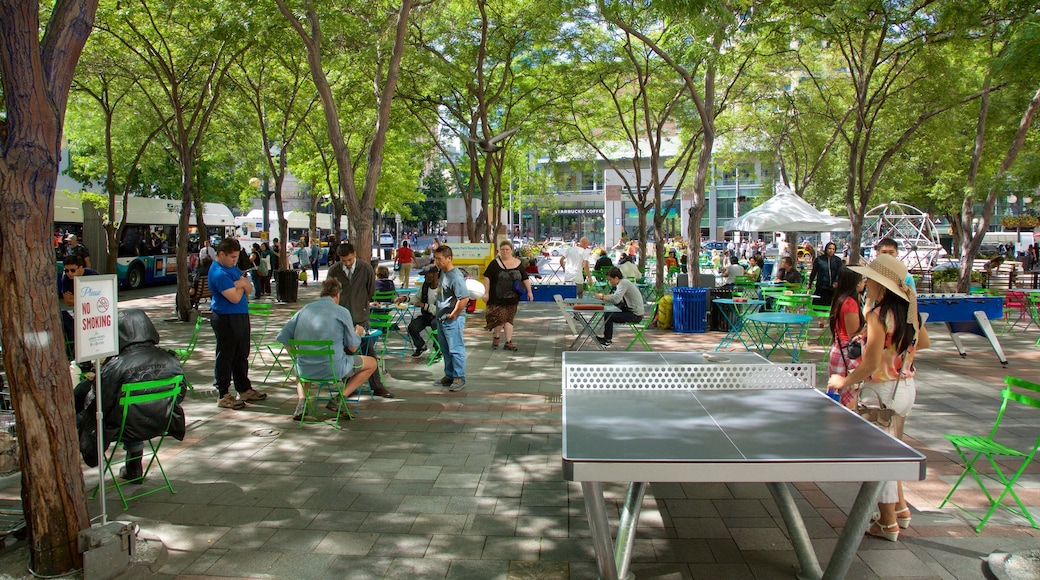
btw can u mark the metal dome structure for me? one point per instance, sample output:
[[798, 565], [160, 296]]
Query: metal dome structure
[[911, 228]]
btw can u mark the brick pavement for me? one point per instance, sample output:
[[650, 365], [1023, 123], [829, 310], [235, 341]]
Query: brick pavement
[[469, 484]]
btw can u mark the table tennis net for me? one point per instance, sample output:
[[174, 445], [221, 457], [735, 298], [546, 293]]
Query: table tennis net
[[692, 376]]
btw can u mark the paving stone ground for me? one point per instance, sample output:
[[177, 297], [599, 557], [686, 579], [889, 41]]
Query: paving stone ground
[[469, 484]]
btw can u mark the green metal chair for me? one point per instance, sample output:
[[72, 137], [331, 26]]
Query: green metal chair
[[999, 455], [318, 350], [184, 354], [789, 303], [744, 287], [819, 312], [638, 328], [435, 348], [259, 317], [770, 294], [276, 350], [384, 296], [165, 390]]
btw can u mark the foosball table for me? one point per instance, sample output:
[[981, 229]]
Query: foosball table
[[965, 313]]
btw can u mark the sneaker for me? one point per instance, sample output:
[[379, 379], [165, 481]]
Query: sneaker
[[229, 401], [252, 395], [443, 382], [419, 350], [457, 385], [494, 342], [510, 346], [604, 341]]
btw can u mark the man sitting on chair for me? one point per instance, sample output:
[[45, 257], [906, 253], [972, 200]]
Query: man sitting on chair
[[626, 297], [139, 360], [325, 320], [424, 299]]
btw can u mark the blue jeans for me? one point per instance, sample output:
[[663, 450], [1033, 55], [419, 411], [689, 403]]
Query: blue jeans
[[258, 286], [449, 335]]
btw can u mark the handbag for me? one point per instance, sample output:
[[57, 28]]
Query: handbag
[[880, 415]]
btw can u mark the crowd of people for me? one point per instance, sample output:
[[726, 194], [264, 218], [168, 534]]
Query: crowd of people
[[873, 306]]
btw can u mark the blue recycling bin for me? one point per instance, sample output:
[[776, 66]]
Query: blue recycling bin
[[689, 309]]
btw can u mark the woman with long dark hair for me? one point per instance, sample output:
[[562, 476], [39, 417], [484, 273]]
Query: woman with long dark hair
[[846, 321], [894, 333]]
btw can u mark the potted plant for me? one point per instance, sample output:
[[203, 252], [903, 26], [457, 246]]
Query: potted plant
[[944, 280]]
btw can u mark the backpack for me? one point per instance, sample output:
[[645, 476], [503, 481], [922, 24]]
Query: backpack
[[506, 283], [664, 312], [263, 266]]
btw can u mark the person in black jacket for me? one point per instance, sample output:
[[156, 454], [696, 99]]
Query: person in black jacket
[[825, 270], [139, 359]]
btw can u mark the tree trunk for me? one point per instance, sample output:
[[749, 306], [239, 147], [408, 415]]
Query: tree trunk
[[34, 356], [187, 191], [36, 73]]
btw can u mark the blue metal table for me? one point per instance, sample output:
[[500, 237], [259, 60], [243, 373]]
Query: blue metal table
[[735, 313], [773, 330]]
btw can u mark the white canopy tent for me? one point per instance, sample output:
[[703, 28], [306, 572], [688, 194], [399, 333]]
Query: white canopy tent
[[787, 212]]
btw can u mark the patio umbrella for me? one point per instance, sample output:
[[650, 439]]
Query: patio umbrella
[[787, 212]]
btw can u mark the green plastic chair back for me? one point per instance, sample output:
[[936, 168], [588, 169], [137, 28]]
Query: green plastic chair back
[[318, 349], [1000, 456], [384, 296], [144, 392]]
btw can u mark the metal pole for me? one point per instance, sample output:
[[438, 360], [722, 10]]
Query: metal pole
[[99, 417], [852, 534], [599, 529], [265, 203], [627, 526], [796, 528]]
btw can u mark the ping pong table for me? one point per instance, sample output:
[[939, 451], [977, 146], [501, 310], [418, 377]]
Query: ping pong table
[[728, 417]]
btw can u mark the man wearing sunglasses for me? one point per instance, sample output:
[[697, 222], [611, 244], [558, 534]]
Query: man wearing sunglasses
[[74, 268]]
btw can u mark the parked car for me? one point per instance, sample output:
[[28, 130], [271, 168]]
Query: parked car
[[386, 240], [720, 246], [554, 248]]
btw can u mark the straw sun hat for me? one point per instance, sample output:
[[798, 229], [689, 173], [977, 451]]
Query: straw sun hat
[[891, 273]]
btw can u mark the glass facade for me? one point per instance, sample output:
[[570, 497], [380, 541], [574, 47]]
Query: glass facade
[[672, 225]]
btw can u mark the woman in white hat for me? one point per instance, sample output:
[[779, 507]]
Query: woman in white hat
[[894, 333]]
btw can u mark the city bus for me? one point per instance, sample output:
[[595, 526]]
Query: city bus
[[147, 250], [252, 224]]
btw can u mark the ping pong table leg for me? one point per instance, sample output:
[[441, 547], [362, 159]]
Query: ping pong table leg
[[852, 533], [626, 534], [987, 331], [810, 566], [599, 529]]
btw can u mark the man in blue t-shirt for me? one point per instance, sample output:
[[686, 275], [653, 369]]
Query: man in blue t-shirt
[[230, 322]]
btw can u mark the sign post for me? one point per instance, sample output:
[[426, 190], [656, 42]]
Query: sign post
[[97, 335]]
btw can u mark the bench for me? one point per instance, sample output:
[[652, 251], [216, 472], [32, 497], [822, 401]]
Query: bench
[[199, 291]]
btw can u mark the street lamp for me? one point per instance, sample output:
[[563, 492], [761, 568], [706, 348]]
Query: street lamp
[[264, 187]]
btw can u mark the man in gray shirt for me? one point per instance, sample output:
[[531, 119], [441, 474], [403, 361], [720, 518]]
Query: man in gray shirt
[[626, 297], [325, 320]]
